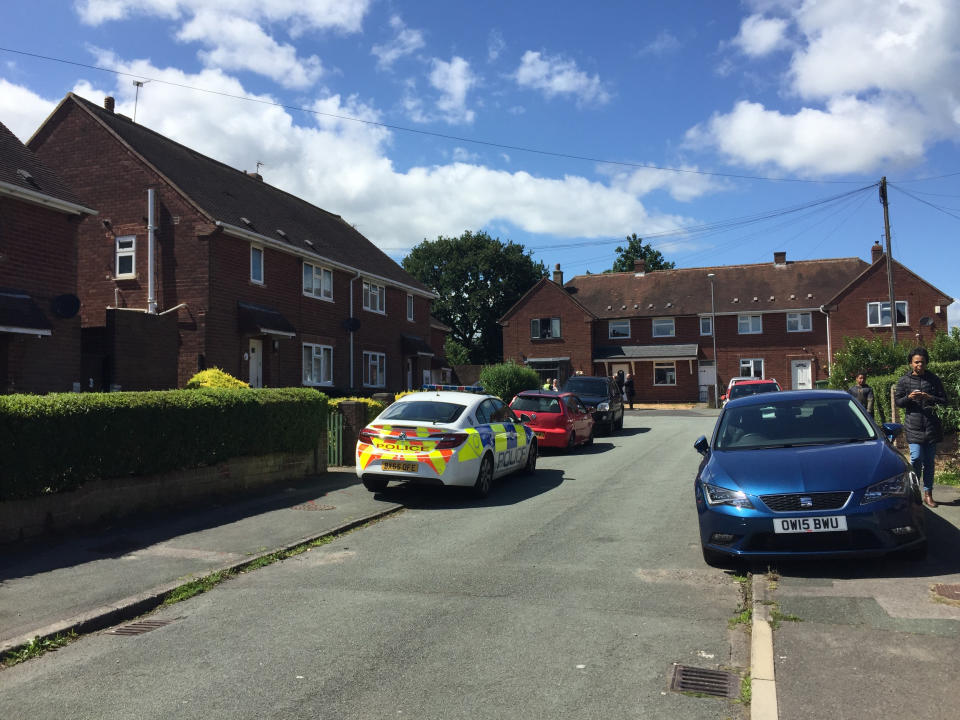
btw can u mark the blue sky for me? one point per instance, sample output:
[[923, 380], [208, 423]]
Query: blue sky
[[715, 117]]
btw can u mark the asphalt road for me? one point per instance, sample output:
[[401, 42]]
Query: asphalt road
[[568, 594]]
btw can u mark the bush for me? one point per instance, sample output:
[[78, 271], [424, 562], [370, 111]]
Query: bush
[[945, 347], [875, 356], [214, 378], [56, 442], [374, 407], [507, 379]]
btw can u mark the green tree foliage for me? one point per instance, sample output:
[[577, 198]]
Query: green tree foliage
[[875, 356], [507, 379], [945, 347], [456, 353], [636, 250], [477, 278]]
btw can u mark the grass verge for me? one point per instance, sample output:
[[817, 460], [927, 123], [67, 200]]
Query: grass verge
[[37, 647]]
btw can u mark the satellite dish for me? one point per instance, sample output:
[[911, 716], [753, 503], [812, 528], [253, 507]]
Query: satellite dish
[[351, 324], [65, 306], [927, 321]]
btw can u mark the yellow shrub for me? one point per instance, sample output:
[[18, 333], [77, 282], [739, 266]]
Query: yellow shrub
[[215, 378]]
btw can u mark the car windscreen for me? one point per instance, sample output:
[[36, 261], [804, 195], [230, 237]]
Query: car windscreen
[[423, 411], [590, 386], [742, 390], [538, 404], [793, 422]]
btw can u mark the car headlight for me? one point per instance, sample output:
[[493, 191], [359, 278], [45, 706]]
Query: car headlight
[[717, 495], [896, 486], [603, 407]]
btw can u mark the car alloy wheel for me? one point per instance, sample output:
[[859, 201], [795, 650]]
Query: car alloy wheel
[[481, 487]]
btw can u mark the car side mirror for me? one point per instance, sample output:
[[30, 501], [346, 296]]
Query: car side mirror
[[702, 446], [892, 430]]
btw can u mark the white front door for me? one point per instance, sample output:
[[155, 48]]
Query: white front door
[[255, 353], [800, 375], [707, 373]]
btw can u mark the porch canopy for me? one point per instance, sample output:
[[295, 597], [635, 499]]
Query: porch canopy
[[628, 353], [414, 345], [20, 314], [260, 320]]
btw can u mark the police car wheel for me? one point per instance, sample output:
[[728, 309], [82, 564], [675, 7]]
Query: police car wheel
[[481, 487], [531, 467], [375, 484]]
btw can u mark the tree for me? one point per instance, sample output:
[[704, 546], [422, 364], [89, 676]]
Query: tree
[[945, 346], [477, 278], [456, 353], [636, 250]]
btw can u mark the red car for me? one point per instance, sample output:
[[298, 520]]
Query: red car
[[750, 387], [559, 419]]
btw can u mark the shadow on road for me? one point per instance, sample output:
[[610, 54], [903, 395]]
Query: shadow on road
[[112, 539], [509, 490]]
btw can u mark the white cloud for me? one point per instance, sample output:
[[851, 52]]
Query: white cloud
[[664, 43], [554, 75], [405, 42], [876, 84], [683, 186], [22, 110], [495, 45], [760, 36], [454, 80]]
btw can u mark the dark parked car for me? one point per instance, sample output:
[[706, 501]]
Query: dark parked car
[[805, 472], [602, 398], [558, 419]]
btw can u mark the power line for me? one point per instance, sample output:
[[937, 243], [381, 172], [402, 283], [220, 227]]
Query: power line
[[429, 133], [925, 202]]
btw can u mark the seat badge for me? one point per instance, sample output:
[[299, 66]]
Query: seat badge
[[403, 436], [806, 502]]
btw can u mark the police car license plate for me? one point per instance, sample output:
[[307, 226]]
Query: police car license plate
[[830, 523], [399, 466]]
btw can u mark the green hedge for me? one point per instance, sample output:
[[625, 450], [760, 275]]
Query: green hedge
[[56, 442], [949, 374]]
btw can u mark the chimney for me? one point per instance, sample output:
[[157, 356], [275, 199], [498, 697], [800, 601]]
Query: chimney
[[557, 275], [876, 252], [254, 175], [639, 266], [108, 103], [780, 258]]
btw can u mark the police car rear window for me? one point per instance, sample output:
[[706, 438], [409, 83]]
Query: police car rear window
[[424, 411]]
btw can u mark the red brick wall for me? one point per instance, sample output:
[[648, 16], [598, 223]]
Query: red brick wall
[[38, 256], [143, 349]]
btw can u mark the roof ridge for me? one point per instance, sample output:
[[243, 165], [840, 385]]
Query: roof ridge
[[712, 267]]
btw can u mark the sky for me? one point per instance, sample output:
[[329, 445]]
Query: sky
[[720, 132]]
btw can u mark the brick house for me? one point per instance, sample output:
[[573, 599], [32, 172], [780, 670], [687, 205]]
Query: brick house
[[778, 320], [193, 264], [39, 326]]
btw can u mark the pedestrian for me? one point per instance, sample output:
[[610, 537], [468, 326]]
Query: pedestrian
[[628, 389], [548, 385], [862, 392], [918, 393], [555, 386]]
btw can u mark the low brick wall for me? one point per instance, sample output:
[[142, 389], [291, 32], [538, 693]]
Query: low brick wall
[[103, 500]]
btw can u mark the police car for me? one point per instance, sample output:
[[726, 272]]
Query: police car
[[444, 437]]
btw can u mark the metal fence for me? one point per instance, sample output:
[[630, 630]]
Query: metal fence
[[334, 439]]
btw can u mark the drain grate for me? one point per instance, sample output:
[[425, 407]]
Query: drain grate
[[313, 505], [718, 683], [950, 592], [141, 627]]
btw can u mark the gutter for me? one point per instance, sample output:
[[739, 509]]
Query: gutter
[[356, 277], [39, 198]]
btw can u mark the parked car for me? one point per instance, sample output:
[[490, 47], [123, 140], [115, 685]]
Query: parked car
[[751, 387], [558, 419], [602, 398], [444, 438], [805, 472]]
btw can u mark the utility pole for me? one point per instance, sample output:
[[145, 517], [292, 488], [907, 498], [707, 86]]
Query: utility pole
[[886, 229]]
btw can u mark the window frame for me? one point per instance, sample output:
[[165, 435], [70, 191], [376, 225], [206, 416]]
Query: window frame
[[537, 322], [323, 272], [381, 294], [610, 332], [119, 254], [369, 356], [653, 327], [749, 317], [752, 361], [879, 305], [254, 251], [709, 319], [798, 316], [326, 364], [667, 365], [411, 308]]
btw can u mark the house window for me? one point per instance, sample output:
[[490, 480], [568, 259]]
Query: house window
[[126, 256], [663, 327], [256, 264], [317, 364], [543, 328], [410, 308], [664, 373], [317, 281], [750, 324], [799, 322], [374, 369], [878, 314], [751, 367], [374, 297], [618, 329], [706, 326]]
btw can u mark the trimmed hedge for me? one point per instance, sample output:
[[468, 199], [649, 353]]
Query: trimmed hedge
[[56, 442], [374, 407], [507, 379]]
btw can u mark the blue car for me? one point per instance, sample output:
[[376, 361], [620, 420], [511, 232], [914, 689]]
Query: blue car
[[805, 473]]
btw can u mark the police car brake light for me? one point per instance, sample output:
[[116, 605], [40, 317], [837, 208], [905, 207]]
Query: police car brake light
[[451, 440], [366, 436]]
